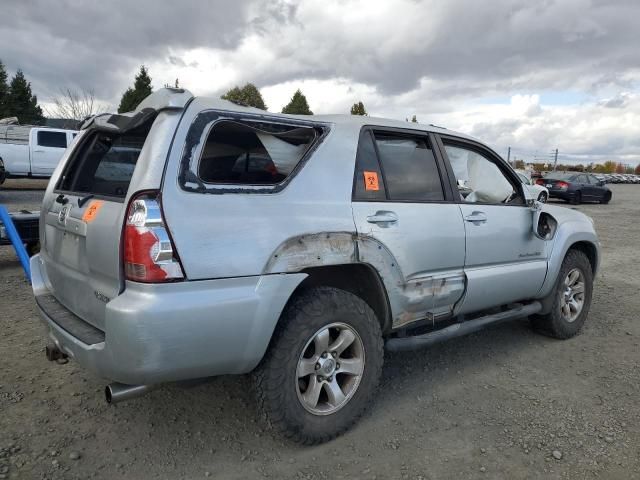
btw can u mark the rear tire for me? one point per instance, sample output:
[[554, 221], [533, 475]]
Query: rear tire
[[301, 386], [572, 292], [607, 198], [577, 198], [542, 198]]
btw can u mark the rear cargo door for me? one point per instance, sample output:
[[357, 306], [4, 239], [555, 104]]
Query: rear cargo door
[[83, 219]]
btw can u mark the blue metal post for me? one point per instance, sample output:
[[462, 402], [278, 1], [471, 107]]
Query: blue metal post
[[5, 218]]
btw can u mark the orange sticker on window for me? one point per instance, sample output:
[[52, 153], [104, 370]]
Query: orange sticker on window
[[371, 181], [90, 213]]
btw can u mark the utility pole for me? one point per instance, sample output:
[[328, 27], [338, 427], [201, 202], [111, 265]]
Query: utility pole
[[555, 160], [509, 155]]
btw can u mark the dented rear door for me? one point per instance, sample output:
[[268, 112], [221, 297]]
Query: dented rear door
[[407, 227]]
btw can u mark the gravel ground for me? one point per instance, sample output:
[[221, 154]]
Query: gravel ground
[[502, 403]]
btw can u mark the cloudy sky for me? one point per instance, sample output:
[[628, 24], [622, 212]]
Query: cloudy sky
[[533, 75]]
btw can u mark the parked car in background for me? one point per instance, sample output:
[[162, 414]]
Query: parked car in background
[[537, 191], [576, 187], [29, 151], [194, 237]]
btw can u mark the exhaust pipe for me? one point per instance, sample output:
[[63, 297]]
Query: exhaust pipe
[[54, 354], [119, 392]]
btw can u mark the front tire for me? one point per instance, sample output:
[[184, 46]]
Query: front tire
[[542, 198], [322, 367], [572, 292]]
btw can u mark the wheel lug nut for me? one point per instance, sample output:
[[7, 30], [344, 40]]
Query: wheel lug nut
[[324, 355], [317, 367], [337, 366]]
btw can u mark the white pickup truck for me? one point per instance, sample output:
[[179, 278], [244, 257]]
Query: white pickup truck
[[28, 151]]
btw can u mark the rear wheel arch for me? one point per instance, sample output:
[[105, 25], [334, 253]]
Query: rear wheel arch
[[360, 279]]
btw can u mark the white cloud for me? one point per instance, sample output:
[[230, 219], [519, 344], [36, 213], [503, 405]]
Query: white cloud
[[442, 61]]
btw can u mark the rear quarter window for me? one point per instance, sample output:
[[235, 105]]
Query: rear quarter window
[[238, 153]]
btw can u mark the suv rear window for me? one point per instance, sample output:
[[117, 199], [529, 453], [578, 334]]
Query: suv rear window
[[104, 163], [252, 154]]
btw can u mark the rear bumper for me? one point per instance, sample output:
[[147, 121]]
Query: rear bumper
[[169, 332]]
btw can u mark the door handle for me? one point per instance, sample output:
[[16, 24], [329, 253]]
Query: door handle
[[476, 218], [383, 218], [38, 151]]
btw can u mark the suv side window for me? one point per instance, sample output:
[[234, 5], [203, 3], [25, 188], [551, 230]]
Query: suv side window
[[368, 184], [52, 139], [479, 179], [409, 168], [252, 154]]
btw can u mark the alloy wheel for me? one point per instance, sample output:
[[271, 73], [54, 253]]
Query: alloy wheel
[[573, 295], [330, 368]]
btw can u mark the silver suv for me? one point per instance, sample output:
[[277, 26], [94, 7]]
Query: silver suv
[[194, 237]]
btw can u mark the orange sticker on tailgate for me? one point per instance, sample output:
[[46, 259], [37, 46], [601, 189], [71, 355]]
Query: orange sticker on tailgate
[[371, 181], [92, 210]]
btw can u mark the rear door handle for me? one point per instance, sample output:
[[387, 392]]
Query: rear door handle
[[476, 218], [383, 218], [38, 151]]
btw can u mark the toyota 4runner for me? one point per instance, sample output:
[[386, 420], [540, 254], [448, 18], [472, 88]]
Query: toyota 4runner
[[194, 237]]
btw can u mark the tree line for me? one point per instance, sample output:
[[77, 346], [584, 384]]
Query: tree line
[[17, 99], [607, 167]]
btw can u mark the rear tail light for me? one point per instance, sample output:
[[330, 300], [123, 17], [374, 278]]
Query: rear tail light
[[149, 254], [562, 185], [540, 181]]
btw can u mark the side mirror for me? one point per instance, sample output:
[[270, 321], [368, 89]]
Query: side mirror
[[543, 225], [536, 210], [601, 183]]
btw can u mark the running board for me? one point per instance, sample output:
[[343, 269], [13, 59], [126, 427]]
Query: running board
[[460, 329]]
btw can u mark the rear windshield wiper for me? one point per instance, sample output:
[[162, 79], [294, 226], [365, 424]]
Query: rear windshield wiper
[[85, 199]]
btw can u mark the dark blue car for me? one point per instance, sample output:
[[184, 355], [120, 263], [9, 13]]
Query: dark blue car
[[575, 187]]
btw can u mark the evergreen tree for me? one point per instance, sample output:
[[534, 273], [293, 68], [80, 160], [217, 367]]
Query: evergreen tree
[[141, 89], [21, 102], [298, 105], [4, 92], [248, 96], [414, 119], [358, 109]]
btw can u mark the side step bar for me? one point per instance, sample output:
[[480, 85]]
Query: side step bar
[[460, 329]]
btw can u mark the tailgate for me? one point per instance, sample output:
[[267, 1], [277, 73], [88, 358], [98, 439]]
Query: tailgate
[[83, 217]]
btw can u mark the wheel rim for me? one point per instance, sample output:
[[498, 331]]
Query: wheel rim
[[330, 368], [573, 295], [542, 197]]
